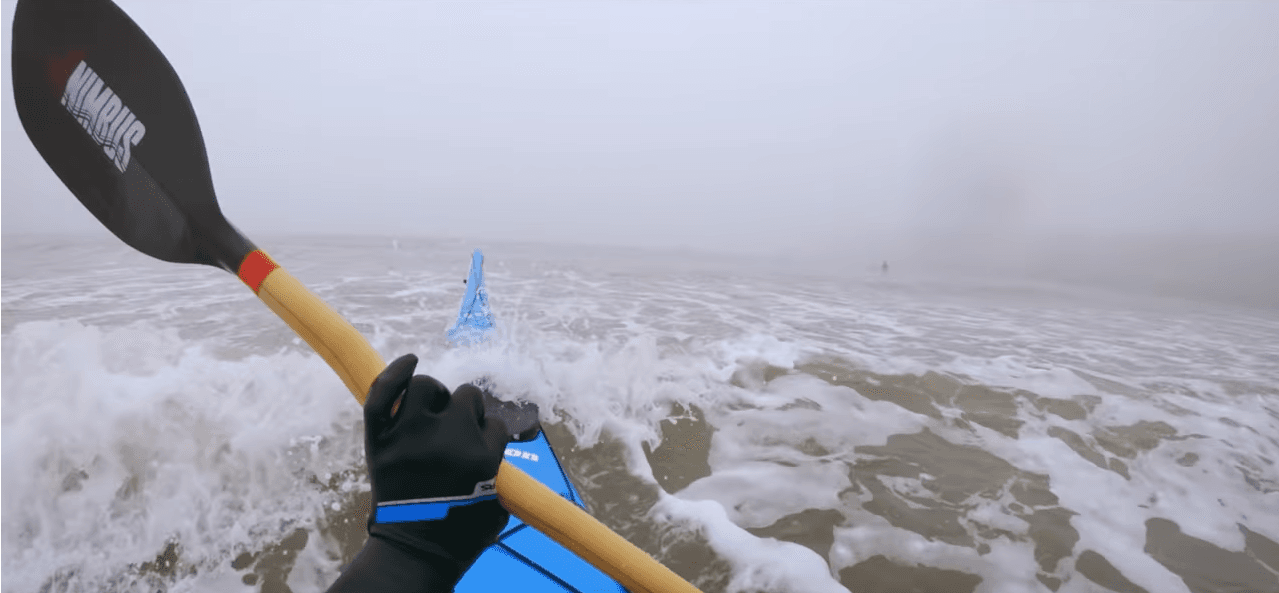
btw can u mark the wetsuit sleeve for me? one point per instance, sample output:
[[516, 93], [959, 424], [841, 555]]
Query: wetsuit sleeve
[[385, 568]]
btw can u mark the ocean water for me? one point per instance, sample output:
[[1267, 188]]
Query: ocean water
[[752, 429]]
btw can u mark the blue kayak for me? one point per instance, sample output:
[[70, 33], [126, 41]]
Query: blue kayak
[[523, 559]]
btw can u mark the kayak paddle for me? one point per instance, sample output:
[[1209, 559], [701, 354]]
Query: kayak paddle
[[109, 115]]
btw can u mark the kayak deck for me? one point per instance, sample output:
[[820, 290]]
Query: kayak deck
[[523, 558]]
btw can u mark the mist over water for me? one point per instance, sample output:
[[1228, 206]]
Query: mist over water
[[755, 428], [1128, 142], [1190, 267]]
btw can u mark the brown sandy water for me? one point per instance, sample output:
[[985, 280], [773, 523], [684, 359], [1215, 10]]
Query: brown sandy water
[[955, 474], [879, 432]]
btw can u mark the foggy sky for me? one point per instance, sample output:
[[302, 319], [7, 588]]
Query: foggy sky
[[865, 130]]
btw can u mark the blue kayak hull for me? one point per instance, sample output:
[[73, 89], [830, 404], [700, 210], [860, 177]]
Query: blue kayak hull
[[524, 559]]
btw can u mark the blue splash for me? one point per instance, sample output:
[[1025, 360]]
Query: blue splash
[[474, 318]]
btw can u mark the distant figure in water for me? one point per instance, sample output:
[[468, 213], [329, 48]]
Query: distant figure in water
[[884, 267]]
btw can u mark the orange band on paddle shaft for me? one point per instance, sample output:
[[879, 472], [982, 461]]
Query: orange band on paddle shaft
[[255, 268]]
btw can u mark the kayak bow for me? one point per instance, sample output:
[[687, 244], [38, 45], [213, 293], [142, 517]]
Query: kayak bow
[[474, 318], [522, 558]]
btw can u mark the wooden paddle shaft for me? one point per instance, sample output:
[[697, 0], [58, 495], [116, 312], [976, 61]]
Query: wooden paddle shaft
[[332, 337], [357, 363], [576, 530]]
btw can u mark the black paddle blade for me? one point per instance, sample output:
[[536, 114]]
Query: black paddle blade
[[107, 112]]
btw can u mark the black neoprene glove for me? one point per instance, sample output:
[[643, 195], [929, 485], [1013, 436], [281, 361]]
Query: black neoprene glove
[[432, 465]]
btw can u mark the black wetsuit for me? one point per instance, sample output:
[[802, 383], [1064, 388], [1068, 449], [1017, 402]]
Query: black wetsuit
[[382, 566]]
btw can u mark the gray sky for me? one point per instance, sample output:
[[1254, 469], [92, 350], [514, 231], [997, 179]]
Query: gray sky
[[858, 128]]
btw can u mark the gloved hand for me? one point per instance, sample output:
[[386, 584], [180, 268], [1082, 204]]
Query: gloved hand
[[432, 463]]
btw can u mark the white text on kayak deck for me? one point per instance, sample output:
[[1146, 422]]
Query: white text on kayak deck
[[510, 452]]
